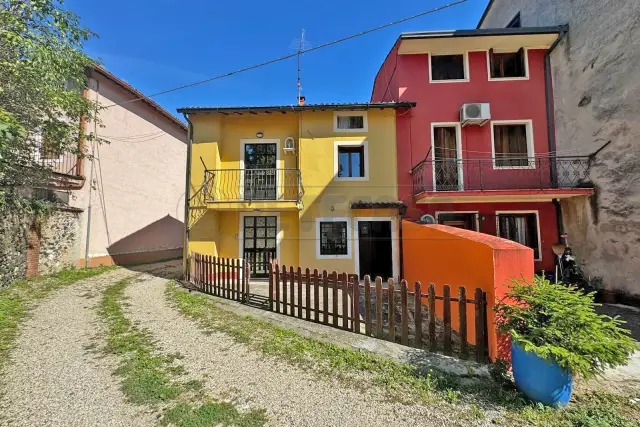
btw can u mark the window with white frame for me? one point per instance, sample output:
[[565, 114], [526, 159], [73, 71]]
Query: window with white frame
[[447, 67], [508, 65], [350, 121], [512, 145], [351, 160], [333, 238], [521, 228]]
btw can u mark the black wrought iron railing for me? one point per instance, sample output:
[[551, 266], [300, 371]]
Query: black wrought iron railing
[[64, 164], [501, 174], [249, 185]]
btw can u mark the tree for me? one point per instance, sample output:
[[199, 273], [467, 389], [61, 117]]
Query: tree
[[42, 77]]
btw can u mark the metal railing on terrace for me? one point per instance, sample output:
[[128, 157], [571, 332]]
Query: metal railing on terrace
[[64, 164], [252, 185], [501, 173]]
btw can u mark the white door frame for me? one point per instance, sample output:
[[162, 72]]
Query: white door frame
[[458, 127], [246, 141], [395, 248]]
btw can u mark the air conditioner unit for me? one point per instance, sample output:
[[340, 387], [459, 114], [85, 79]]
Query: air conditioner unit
[[475, 114]]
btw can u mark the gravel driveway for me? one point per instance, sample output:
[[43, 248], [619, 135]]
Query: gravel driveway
[[55, 379], [291, 397]]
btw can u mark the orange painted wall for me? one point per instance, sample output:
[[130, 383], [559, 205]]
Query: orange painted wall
[[450, 256]]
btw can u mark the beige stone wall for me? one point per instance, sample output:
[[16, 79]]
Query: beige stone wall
[[138, 182], [597, 99]]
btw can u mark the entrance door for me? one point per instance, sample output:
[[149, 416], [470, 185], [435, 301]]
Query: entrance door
[[447, 173], [260, 243], [466, 221], [260, 171], [374, 247]]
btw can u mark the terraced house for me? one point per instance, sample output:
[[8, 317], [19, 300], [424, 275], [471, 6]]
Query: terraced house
[[478, 151], [310, 185]]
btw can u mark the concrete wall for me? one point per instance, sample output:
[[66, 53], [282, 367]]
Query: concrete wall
[[597, 99], [461, 258], [138, 182]]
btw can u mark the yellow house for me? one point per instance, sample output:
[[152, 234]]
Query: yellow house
[[314, 186]]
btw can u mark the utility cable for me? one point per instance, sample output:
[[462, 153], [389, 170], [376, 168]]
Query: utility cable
[[292, 55]]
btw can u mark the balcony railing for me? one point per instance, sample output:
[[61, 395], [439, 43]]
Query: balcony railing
[[501, 174], [252, 185]]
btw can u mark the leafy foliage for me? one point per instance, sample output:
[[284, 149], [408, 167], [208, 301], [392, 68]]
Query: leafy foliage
[[42, 74], [559, 323]]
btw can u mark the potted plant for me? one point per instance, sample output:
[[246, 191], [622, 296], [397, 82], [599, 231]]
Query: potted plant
[[556, 334]]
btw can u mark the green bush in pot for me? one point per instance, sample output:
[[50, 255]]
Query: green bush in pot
[[559, 323]]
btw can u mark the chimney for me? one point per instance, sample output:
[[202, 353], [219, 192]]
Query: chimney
[[301, 99]]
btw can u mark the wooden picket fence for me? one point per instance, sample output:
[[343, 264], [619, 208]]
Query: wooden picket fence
[[382, 311], [222, 277]]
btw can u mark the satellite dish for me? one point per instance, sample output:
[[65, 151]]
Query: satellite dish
[[427, 219]]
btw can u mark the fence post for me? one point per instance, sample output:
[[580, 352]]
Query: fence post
[[284, 289], [271, 277], [276, 267], [355, 312], [292, 281], [247, 283], [345, 301], [307, 282], [334, 295], [316, 296], [480, 323], [462, 316], [404, 320], [392, 311], [446, 317], [379, 297], [432, 317], [418, 315], [299, 292], [367, 305], [325, 297]]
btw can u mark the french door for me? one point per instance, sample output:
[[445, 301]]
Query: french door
[[259, 235], [260, 175], [447, 167]]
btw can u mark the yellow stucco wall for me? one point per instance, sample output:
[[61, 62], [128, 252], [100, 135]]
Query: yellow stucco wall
[[217, 139]]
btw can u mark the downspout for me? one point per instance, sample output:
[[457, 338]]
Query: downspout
[[187, 197], [548, 87]]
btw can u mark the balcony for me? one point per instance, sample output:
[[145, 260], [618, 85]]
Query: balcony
[[501, 179], [270, 189]]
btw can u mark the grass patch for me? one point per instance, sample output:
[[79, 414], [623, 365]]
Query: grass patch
[[468, 399], [151, 378], [18, 297]]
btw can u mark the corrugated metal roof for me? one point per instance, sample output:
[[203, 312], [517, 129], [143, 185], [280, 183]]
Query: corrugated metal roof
[[294, 108]]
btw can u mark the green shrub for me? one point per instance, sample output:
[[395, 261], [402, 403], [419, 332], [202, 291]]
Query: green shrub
[[559, 323]]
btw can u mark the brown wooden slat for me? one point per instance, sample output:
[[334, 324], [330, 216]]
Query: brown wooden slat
[[277, 287], [284, 289], [214, 273], [392, 311], [196, 265], [271, 279], [307, 287], [379, 300], [345, 300], [239, 279], [227, 277], [446, 318], [209, 274], [300, 278], [247, 283], [367, 305], [432, 317], [232, 276], [462, 316], [355, 311], [404, 321], [292, 294], [316, 296], [418, 315], [334, 295], [479, 306], [325, 297]]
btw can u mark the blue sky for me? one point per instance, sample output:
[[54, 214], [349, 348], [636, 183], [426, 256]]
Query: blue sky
[[159, 44]]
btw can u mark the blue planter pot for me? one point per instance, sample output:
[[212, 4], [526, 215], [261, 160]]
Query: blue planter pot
[[540, 380]]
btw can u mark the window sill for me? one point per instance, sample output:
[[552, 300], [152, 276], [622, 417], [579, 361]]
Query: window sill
[[506, 79], [362, 130], [333, 256], [450, 81], [342, 179]]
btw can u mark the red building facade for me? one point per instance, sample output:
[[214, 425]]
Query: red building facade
[[496, 170]]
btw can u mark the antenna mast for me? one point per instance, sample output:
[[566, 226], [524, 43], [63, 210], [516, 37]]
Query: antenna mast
[[299, 55]]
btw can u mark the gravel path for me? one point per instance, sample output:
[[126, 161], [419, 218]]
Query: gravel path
[[291, 396], [55, 379]]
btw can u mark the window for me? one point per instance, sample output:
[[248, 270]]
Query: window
[[512, 145], [346, 121], [507, 65], [351, 161], [333, 238], [516, 22], [521, 228], [464, 220], [447, 67]]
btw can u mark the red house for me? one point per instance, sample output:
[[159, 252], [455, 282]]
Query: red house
[[478, 150]]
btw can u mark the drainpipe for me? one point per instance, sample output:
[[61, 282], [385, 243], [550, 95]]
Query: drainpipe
[[187, 196], [548, 86]]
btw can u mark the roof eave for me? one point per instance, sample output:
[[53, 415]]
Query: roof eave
[[484, 32], [296, 108]]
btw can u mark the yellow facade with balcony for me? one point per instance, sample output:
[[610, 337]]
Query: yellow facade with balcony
[[313, 186]]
